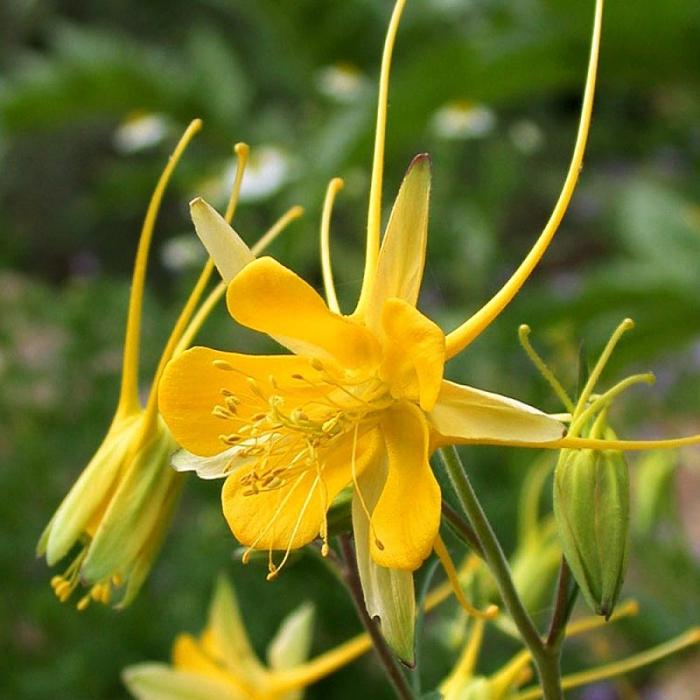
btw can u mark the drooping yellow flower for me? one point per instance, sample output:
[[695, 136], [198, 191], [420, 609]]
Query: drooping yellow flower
[[119, 510]]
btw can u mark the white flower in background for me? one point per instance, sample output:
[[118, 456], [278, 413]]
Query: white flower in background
[[342, 82], [463, 119], [140, 131]]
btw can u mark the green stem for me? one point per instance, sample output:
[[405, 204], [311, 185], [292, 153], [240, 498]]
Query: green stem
[[546, 659], [461, 528], [352, 580], [567, 591]]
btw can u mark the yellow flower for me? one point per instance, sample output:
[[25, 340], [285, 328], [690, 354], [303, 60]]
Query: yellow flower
[[221, 663], [119, 510], [362, 400]]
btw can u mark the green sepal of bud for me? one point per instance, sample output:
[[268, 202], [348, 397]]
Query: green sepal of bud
[[591, 508]]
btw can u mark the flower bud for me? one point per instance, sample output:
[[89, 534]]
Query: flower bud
[[591, 507]]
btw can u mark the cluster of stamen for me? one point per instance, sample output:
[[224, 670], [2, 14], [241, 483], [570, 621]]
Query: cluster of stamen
[[296, 426], [64, 585]]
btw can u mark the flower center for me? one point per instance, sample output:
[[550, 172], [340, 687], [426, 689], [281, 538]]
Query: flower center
[[287, 426]]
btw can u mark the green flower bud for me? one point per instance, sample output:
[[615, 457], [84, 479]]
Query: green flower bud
[[591, 507]]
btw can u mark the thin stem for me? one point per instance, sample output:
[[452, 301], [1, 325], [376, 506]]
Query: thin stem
[[461, 528], [546, 662], [352, 580], [563, 606]]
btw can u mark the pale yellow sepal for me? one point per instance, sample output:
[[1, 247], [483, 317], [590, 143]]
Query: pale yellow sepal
[[402, 256], [134, 511], [151, 681], [225, 247], [464, 413]]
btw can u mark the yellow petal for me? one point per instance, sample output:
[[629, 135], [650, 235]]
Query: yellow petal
[[191, 387], [291, 515], [402, 255], [189, 656], [465, 414], [225, 247], [407, 516], [414, 353], [270, 298]]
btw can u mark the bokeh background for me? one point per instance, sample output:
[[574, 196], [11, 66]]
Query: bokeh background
[[93, 97]]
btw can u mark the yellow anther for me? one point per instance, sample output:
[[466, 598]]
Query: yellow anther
[[83, 603], [222, 364], [255, 387]]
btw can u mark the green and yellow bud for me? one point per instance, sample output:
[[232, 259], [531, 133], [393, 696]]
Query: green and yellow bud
[[591, 508], [116, 514]]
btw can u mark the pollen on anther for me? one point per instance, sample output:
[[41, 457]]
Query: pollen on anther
[[222, 364]]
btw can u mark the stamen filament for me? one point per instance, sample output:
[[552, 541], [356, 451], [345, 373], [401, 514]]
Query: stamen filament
[[374, 213], [547, 374], [617, 668], [334, 186], [278, 510], [128, 393], [459, 338], [276, 568], [358, 490], [491, 611]]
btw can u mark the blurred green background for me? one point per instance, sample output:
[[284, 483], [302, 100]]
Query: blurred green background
[[92, 99]]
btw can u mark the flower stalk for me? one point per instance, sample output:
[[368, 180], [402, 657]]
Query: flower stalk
[[546, 659]]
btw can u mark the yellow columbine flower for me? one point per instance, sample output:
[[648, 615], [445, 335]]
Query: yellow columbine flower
[[221, 663], [363, 399], [119, 510]]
